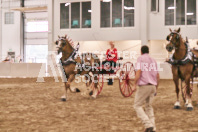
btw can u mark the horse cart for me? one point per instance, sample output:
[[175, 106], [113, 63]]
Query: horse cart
[[125, 73], [72, 59]]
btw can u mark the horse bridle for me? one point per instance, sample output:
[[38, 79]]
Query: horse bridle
[[177, 38], [63, 43]]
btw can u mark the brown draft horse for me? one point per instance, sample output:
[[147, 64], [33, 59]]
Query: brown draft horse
[[69, 65], [185, 71]]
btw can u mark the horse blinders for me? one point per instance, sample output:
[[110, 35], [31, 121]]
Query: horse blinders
[[168, 37]]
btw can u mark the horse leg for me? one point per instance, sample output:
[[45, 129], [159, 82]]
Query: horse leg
[[64, 97], [70, 80], [188, 94], [67, 87], [88, 83], [177, 103], [95, 89]]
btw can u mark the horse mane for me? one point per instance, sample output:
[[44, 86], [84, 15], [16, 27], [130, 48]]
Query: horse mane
[[69, 41]]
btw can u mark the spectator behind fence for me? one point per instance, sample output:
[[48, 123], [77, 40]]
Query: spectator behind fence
[[7, 59], [18, 59]]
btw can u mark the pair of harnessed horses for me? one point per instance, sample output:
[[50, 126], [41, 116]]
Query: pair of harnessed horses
[[184, 66]]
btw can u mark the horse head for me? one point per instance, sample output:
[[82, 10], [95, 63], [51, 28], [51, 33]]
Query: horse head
[[64, 45], [174, 40]]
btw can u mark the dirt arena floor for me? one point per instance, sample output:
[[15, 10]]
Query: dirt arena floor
[[29, 106]]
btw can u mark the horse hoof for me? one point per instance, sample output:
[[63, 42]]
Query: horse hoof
[[77, 90], [189, 108], [93, 96], [91, 93], [63, 99], [177, 107]]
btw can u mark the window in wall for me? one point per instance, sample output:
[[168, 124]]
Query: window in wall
[[169, 12], [180, 12], [75, 15], [129, 13], [154, 5], [9, 18], [64, 15], [117, 13], [86, 14], [191, 12], [104, 14]]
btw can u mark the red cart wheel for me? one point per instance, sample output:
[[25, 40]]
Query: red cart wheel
[[99, 85], [127, 76]]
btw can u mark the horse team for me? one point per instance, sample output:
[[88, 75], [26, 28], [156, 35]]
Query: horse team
[[184, 63]]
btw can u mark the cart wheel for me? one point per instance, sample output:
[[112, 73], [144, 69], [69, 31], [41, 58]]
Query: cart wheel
[[127, 76], [99, 85]]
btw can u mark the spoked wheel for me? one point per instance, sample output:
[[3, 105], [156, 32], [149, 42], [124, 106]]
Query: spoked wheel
[[100, 83], [127, 76]]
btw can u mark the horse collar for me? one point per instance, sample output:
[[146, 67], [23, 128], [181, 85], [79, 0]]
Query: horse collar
[[187, 58]]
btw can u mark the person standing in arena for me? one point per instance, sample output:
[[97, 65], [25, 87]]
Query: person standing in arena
[[147, 78]]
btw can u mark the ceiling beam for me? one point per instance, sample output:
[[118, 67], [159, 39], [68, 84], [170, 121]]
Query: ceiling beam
[[31, 9]]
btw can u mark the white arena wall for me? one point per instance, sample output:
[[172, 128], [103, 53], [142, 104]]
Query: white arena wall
[[149, 29], [11, 37], [20, 70]]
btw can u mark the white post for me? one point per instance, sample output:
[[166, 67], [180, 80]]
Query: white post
[[144, 21], [50, 25], [51, 45]]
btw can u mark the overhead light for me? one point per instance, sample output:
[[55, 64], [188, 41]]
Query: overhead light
[[190, 14], [171, 8], [90, 11], [129, 8], [67, 4], [106, 1]]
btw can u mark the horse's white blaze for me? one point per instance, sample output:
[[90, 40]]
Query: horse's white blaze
[[59, 43], [177, 103]]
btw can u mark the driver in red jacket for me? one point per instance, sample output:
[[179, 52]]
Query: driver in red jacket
[[111, 56]]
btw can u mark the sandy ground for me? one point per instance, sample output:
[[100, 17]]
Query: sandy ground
[[29, 106]]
